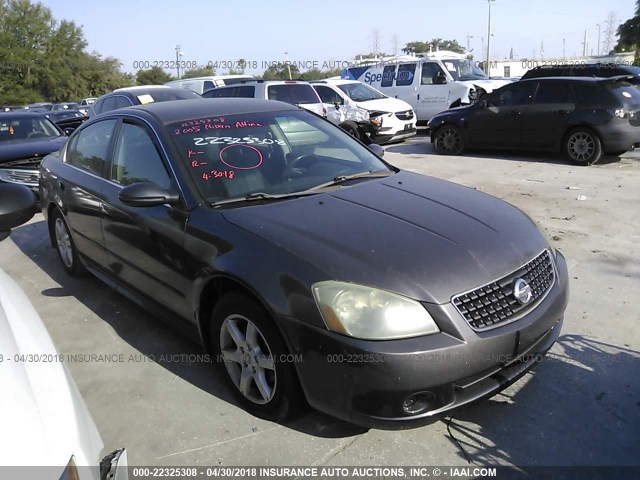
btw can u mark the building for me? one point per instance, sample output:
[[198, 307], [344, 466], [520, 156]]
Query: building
[[516, 68]]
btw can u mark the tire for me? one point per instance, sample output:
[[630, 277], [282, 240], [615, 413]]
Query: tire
[[272, 390], [65, 246], [582, 146], [351, 128], [448, 140]]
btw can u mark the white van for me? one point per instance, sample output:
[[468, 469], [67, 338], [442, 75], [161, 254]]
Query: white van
[[202, 84], [430, 82], [395, 119]]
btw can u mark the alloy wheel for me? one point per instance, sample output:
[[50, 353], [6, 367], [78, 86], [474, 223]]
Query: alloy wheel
[[581, 146], [63, 240], [248, 359], [449, 141]]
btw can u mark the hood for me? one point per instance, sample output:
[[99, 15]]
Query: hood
[[391, 105], [487, 85], [44, 420], [38, 147], [418, 236]]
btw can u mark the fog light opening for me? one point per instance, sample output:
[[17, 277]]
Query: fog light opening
[[418, 402]]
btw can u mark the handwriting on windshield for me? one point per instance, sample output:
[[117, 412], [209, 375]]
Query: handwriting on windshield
[[216, 123], [233, 157], [202, 141]]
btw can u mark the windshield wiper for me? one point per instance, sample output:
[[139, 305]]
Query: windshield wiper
[[261, 196], [345, 178]]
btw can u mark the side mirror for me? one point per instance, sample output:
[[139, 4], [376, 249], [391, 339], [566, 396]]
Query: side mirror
[[147, 194], [376, 149], [68, 131], [17, 206], [337, 105], [483, 102]]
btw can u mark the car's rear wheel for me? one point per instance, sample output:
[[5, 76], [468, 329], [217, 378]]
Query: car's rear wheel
[[254, 357], [448, 140], [351, 128], [582, 146], [65, 246]]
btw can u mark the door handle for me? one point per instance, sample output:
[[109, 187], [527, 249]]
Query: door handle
[[564, 112], [515, 113], [418, 96]]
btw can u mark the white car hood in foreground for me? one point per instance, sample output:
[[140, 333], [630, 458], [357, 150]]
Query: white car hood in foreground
[[391, 105], [44, 419]]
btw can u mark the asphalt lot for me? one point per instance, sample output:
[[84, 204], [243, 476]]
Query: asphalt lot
[[580, 406]]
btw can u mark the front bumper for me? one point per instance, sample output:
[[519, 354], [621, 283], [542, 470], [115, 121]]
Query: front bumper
[[371, 383]]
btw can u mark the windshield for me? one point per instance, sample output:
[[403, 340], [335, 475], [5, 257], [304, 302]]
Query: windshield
[[464, 70], [276, 153], [25, 128], [359, 92]]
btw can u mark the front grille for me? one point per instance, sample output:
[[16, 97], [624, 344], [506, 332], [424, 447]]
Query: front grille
[[408, 115], [33, 162], [495, 303], [22, 177]]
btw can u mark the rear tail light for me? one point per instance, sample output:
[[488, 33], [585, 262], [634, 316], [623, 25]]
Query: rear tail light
[[623, 113]]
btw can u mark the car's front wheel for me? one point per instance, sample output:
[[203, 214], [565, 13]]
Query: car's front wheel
[[582, 146], [65, 246], [448, 140], [256, 364]]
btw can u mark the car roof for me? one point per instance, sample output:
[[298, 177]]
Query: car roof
[[575, 79], [176, 111], [335, 81], [17, 114], [136, 88]]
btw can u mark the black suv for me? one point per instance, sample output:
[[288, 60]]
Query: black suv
[[604, 70], [581, 116]]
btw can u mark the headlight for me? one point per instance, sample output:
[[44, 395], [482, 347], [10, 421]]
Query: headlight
[[376, 121], [371, 314]]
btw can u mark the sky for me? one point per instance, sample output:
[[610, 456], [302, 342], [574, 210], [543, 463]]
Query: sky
[[330, 32]]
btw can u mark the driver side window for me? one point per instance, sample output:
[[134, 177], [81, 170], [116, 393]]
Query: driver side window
[[432, 74], [328, 95], [512, 95]]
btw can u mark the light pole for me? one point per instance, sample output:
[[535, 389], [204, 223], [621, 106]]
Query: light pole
[[598, 38], [286, 56], [488, 72], [179, 53], [469, 43]]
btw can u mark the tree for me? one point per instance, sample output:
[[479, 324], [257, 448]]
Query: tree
[[280, 71], [43, 59], [434, 45], [199, 72], [629, 33], [152, 76], [315, 74], [365, 56]]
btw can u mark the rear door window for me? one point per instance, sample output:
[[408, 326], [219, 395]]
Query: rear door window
[[553, 93], [296, 94], [90, 147]]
